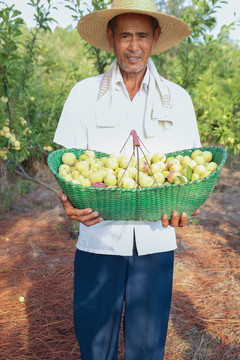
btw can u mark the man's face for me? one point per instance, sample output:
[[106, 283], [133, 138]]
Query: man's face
[[132, 41]]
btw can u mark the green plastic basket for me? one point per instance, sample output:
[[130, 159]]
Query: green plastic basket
[[144, 203]]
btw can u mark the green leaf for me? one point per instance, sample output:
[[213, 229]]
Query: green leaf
[[181, 178], [189, 173]]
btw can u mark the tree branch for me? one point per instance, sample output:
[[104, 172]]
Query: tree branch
[[23, 173]]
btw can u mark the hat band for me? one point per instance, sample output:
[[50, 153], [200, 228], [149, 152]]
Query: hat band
[[135, 5]]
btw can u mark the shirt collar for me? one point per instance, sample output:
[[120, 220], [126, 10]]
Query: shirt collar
[[118, 80]]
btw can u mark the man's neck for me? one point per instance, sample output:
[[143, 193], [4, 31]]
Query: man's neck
[[133, 81]]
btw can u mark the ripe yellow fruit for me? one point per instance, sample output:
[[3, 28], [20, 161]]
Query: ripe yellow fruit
[[207, 173], [80, 165], [129, 183], [192, 163], [86, 172], [79, 178], [103, 160], [12, 138], [3, 155], [200, 160], [7, 135], [171, 161], [119, 172], [158, 157], [195, 153], [124, 161], [72, 168], [121, 178], [165, 173], [122, 175], [211, 166], [75, 174], [132, 172], [167, 183], [64, 167], [90, 153], [109, 171], [115, 155], [123, 171], [199, 169], [63, 172], [185, 160], [159, 178], [111, 163], [195, 176], [82, 157], [69, 158], [172, 175], [146, 181], [176, 166], [96, 176], [6, 129], [110, 180], [96, 167], [207, 155], [104, 173], [141, 174], [68, 177], [143, 165], [17, 145], [75, 182], [133, 162], [179, 157], [85, 182], [157, 166], [90, 160]]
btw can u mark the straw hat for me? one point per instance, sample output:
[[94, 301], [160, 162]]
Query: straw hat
[[93, 27]]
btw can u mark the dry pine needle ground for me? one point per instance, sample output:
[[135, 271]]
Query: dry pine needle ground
[[36, 258]]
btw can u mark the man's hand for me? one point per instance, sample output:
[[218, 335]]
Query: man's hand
[[85, 216], [175, 221]]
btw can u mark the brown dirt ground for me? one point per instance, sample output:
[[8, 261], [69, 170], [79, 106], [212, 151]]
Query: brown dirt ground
[[36, 262]]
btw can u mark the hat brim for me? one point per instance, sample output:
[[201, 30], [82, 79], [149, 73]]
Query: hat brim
[[93, 28]]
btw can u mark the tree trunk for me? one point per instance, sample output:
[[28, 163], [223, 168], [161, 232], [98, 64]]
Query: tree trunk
[[74, 229]]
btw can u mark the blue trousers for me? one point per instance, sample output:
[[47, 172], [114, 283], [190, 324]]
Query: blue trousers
[[102, 283]]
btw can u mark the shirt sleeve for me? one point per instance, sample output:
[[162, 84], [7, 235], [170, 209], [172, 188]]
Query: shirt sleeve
[[71, 132]]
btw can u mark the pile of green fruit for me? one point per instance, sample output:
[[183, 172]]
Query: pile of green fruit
[[119, 170]]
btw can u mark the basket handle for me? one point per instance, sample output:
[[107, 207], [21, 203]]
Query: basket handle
[[135, 138]]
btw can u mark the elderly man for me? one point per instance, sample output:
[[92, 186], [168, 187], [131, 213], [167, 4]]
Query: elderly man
[[126, 262]]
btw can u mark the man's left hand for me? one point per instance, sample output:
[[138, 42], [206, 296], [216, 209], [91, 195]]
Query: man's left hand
[[175, 221]]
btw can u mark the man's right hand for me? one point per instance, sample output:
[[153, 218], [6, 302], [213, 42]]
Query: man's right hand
[[85, 216]]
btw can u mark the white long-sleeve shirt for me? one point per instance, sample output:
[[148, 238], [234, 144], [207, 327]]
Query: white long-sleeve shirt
[[78, 128]]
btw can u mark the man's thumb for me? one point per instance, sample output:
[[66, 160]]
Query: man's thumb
[[62, 196]]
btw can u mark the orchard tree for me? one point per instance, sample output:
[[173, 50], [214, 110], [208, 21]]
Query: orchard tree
[[187, 59], [101, 59], [208, 68], [217, 99], [18, 138]]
